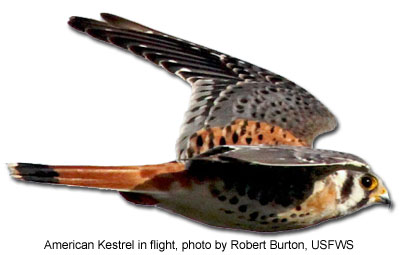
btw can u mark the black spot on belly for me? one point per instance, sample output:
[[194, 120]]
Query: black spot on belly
[[253, 216], [222, 198], [275, 220], [243, 208], [226, 211], [234, 200], [215, 192]]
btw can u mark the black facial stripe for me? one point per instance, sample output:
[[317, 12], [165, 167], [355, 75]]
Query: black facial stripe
[[347, 187], [362, 202]]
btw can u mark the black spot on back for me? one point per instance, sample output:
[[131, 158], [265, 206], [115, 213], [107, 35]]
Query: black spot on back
[[235, 138], [199, 141]]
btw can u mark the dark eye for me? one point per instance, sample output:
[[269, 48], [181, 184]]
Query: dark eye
[[369, 182]]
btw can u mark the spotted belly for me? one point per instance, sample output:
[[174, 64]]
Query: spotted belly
[[218, 203]]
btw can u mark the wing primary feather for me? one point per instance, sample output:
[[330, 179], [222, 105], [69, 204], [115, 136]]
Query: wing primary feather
[[126, 24]]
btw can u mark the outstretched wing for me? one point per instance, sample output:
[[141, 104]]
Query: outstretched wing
[[187, 60], [233, 102]]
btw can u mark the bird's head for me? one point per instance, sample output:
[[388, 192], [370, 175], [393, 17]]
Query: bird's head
[[359, 190]]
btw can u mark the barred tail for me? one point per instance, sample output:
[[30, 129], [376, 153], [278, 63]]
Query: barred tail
[[121, 178]]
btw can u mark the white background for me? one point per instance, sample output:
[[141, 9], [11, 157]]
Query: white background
[[67, 99]]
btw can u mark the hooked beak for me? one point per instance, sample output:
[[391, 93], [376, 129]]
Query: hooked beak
[[383, 198]]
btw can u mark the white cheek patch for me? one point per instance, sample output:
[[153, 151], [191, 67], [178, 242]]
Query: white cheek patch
[[357, 194]]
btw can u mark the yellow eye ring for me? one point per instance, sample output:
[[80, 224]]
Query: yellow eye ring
[[368, 182]]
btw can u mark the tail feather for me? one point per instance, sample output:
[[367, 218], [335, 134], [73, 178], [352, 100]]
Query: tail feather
[[121, 178]]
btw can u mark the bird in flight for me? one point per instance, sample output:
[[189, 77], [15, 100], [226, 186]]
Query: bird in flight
[[244, 157]]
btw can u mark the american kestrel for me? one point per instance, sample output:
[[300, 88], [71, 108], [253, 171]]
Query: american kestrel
[[244, 158]]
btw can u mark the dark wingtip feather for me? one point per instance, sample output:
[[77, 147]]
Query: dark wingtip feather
[[117, 21], [108, 16], [33, 172], [76, 22], [82, 24]]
